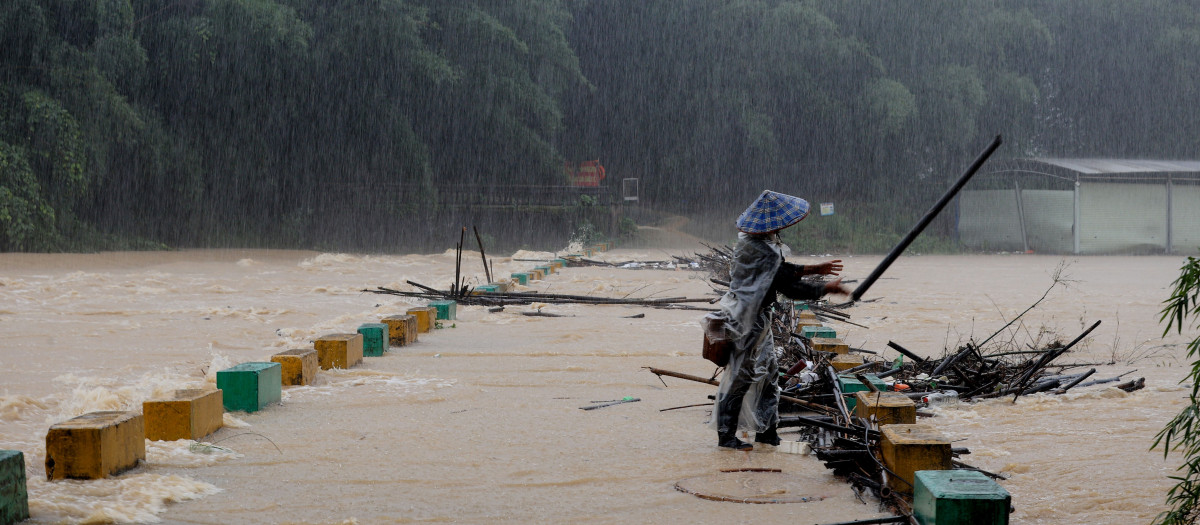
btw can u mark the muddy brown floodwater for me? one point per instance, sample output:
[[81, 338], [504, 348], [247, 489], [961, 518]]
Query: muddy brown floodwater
[[480, 422]]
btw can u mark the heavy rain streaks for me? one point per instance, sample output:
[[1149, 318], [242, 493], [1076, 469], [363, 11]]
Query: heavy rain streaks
[[383, 125], [229, 175]]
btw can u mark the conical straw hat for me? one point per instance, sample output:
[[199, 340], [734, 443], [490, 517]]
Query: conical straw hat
[[772, 211]]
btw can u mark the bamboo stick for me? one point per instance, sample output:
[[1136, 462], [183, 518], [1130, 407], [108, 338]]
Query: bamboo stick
[[714, 382], [487, 272]]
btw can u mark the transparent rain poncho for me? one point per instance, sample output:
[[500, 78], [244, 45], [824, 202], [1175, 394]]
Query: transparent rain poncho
[[752, 365]]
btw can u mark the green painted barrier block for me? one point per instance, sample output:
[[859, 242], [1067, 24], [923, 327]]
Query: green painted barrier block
[[501, 286], [546, 270], [375, 339], [818, 331], [487, 288], [561, 262], [249, 387], [850, 384], [801, 306], [521, 278], [447, 310], [959, 497], [14, 498]]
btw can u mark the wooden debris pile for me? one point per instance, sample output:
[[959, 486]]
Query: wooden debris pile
[[814, 404], [463, 293], [486, 298], [971, 373]]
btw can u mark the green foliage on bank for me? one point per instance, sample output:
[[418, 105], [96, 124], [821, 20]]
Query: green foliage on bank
[[1182, 434], [305, 123], [862, 227]]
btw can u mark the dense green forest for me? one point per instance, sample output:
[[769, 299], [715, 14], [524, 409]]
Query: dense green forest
[[349, 123]]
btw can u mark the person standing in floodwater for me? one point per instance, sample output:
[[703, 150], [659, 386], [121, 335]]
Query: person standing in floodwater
[[748, 397]]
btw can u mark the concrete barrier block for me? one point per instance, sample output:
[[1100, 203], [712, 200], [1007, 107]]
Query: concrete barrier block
[[375, 339], [501, 286], [339, 350], [298, 367], [521, 278], [889, 408], [850, 384], [959, 497], [909, 448], [249, 387], [558, 264], [818, 331], [802, 324], [402, 329], [95, 445], [536, 274], [829, 344], [188, 414], [545, 269], [447, 310], [14, 496], [843, 362], [425, 317]]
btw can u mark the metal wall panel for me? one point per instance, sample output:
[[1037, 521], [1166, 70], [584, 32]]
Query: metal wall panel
[[1185, 219], [1122, 218], [1049, 218], [988, 220]]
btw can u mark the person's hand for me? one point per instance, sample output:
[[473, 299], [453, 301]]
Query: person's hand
[[835, 287], [833, 267]]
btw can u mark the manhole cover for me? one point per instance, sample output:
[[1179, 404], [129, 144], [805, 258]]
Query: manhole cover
[[750, 485]]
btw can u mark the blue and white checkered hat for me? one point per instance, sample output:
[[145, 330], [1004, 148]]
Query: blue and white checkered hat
[[771, 212]]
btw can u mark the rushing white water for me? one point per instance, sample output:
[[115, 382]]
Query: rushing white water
[[480, 421]]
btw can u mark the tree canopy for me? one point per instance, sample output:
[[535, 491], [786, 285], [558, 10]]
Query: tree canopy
[[291, 122]]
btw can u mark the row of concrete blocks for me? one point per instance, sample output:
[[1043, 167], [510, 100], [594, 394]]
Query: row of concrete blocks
[[920, 463], [918, 458], [540, 272], [824, 339], [100, 444], [537, 273]]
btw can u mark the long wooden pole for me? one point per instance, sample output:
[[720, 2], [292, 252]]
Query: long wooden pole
[[921, 224], [458, 262], [714, 382]]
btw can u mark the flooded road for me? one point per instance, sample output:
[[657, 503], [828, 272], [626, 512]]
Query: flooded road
[[479, 422]]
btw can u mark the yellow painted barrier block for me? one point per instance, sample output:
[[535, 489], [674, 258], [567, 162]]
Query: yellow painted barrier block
[[298, 366], [339, 350], [909, 448], [189, 414], [402, 329], [845, 362], [829, 344], [425, 317], [95, 445], [889, 408], [802, 323], [808, 317]]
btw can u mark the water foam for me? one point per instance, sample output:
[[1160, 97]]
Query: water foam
[[132, 498]]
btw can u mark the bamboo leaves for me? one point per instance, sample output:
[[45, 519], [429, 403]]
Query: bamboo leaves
[[1182, 433]]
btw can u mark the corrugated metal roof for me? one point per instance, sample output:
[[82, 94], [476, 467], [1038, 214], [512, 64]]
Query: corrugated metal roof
[[1118, 166]]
